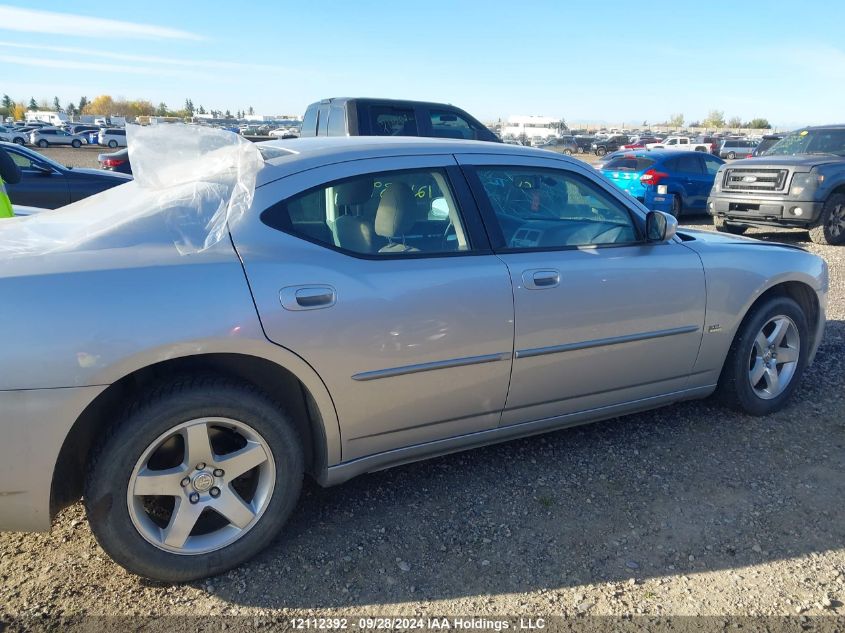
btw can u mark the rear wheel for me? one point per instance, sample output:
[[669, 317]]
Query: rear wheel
[[731, 155], [831, 227], [767, 358], [76, 143], [112, 144], [601, 151], [677, 206], [568, 152], [19, 141], [198, 478], [42, 143], [723, 226]]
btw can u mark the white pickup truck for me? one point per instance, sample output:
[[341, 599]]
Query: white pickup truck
[[679, 142]]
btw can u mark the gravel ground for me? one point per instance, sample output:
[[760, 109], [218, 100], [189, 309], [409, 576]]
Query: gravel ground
[[687, 510]]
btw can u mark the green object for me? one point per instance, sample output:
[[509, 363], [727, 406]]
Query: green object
[[5, 203]]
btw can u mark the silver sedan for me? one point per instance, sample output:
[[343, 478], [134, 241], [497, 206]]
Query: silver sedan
[[383, 301]]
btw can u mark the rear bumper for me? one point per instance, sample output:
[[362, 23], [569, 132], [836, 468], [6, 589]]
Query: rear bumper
[[778, 211], [33, 426]]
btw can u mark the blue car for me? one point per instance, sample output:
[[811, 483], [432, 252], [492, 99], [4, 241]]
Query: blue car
[[665, 180]]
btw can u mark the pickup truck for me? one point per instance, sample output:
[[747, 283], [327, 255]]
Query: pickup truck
[[681, 143], [798, 183]]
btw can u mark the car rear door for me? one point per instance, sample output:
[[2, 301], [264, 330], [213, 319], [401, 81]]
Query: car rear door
[[413, 345], [602, 319]]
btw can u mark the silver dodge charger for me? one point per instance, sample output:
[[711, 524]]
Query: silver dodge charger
[[381, 301]]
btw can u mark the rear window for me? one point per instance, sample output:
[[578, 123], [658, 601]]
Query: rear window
[[389, 121], [629, 163]]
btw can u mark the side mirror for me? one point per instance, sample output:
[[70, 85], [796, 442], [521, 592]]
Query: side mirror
[[660, 227]]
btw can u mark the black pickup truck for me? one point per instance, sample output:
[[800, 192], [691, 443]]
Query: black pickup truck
[[799, 183], [346, 116]]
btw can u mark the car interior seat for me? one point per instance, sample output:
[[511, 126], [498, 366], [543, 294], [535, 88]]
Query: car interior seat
[[395, 216], [353, 231]]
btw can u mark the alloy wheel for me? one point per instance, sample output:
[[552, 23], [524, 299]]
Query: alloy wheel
[[836, 222], [774, 357], [201, 486]]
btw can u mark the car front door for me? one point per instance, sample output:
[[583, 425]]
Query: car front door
[[378, 274], [41, 185], [602, 318]]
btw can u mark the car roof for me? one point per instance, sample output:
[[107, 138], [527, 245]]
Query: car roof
[[298, 154], [394, 102], [657, 154]]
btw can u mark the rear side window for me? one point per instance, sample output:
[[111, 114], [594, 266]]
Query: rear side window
[[688, 164], [389, 121], [389, 213], [446, 124], [309, 121], [337, 121], [629, 163]]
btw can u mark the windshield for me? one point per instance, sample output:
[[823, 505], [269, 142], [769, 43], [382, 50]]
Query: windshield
[[820, 141]]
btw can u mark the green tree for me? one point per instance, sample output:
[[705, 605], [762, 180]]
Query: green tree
[[83, 101], [758, 124], [56, 105], [32, 104], [228, 114], [7, 103], [189, 107], [715, 118], [676, 120], [70, 109], [162, 109], [201, 110], [250, 111], [734, 122]]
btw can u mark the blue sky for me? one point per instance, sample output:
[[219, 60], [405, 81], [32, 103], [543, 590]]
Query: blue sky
[[584, 61]]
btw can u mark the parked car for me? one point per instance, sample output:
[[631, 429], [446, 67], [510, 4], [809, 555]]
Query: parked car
[[640, 142], [367, 311], [601, 147], [391, 117], [601, 162], [584, 143], [82, 129], [664, 180], [715, 142], [733, 147], [48, 184], [563, 144], [10, 135], [679, 143], [766, 143], [47, 136], [799, 183], [112, 137], [116, 161]]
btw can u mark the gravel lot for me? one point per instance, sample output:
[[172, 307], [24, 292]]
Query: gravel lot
[[688, 510]]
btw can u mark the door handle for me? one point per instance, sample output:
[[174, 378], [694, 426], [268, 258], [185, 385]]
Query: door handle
[[540, 279], [307, 297]]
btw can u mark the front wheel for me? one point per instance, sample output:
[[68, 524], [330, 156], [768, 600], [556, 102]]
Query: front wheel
[[677, 206], [767, 357], [198, 478], [831, 227], [18, 140], [42, 143], [723, 226], [567, 152], [76, 143], [601, 151], [731, 155]]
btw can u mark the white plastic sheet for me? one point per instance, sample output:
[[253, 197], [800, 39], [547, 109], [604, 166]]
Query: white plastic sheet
[[189, 182]]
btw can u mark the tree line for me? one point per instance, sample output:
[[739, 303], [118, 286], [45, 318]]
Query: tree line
[[106, 105], [716, 119]]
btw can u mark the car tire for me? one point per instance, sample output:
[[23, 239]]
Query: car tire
[[601, 151], [677, 206], [830, 229], [757, 386], [18, 140], [42, 143], [76, 143], [723, 226], [112, 144], [567, 152], [731, 155], [215, 413]]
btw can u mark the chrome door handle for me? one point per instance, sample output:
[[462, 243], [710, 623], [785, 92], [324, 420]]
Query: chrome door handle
[[540, 279], [307, 297]]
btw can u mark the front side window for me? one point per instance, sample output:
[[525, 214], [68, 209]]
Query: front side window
[[445, 124], [390, 213], [387, 121], [551, 208]]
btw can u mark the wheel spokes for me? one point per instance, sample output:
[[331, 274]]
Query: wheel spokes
[[233, 509], [779, 331], [162, 483], [197, 445], [772, 379], [757, 371], [787, 355], [182, 521], [237, 463]]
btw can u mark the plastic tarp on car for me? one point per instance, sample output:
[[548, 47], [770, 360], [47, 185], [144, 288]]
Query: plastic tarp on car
[[191, 180]]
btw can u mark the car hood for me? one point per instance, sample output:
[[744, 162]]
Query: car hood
[[691, 236], [797, 160]]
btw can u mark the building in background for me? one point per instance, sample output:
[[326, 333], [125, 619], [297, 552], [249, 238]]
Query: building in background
[[531, 128]]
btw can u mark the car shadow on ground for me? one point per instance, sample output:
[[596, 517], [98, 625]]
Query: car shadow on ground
[[685, 489]]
